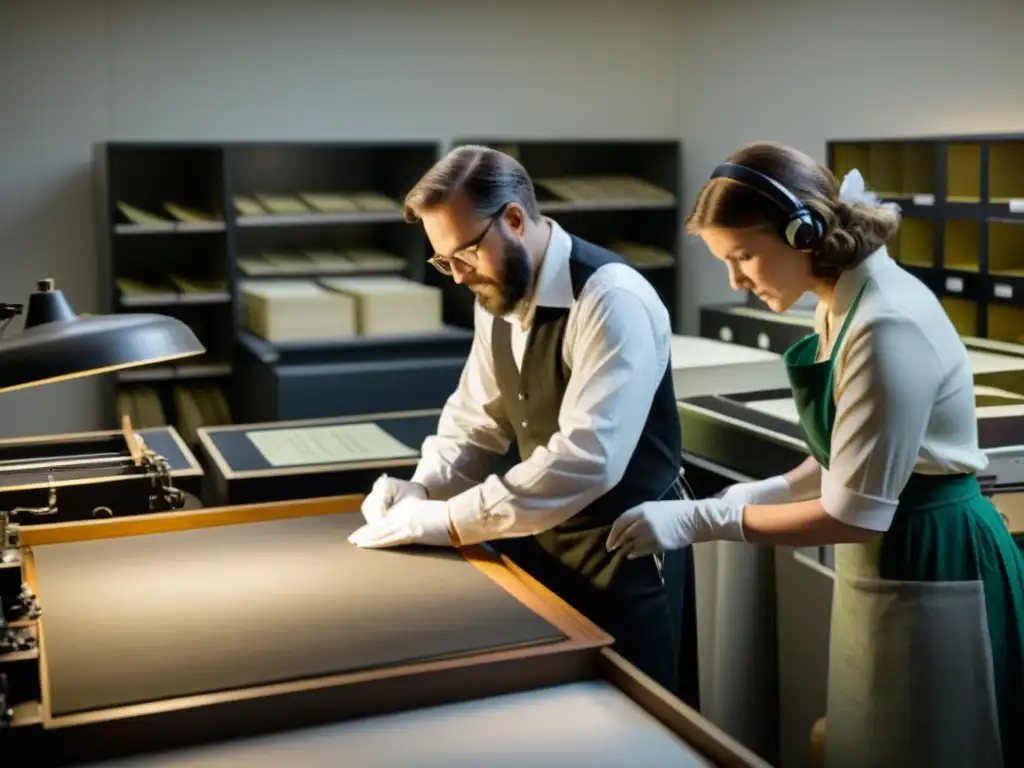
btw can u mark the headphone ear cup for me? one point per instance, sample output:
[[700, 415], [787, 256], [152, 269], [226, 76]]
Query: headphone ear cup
[[802, 231]]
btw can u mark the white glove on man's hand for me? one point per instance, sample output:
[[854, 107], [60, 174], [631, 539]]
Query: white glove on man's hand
[[386, 493], [772, 490], [412, 521], [657, 526]]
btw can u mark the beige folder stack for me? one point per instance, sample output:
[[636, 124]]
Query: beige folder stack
[[297, 310], [390, 305]]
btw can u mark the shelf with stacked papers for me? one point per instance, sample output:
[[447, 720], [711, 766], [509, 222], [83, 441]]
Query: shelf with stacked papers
[[620, 194], [962, 199], [326, 209], [163, 189], [165, 247], [255, 214], [309, 184], [310, 458]]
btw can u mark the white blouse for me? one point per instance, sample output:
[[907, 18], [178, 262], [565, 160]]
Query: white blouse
[[904, 393]]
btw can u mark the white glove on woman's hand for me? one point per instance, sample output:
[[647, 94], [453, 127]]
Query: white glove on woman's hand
[[659, 526], [773, 490], [386, 493]]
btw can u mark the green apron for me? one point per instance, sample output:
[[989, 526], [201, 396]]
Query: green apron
[[926, 650]]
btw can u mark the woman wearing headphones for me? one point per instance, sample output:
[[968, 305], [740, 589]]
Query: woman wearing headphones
[[927, 643]]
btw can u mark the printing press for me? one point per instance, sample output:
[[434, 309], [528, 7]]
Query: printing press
[[258, 633], [61, 478]]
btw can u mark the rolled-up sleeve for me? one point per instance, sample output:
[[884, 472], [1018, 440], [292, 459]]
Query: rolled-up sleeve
[[887, 379]]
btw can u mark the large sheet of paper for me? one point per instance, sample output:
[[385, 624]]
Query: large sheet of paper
[[142, 618], [336, 444]]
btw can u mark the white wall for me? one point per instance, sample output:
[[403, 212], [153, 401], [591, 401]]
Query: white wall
[[81, 71], [806, 71]]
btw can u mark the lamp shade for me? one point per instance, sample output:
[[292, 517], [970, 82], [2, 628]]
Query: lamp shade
[[67, 346]]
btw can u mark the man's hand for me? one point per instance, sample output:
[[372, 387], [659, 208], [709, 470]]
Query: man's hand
[[657, 526], [386, 493], [412, 521]]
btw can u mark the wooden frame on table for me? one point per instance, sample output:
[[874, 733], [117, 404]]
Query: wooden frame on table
[[171, 723]]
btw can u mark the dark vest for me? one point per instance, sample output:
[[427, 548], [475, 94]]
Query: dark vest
[[532, 398]]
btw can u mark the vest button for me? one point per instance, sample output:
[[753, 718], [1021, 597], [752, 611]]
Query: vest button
[[522, 395], [525, 423]]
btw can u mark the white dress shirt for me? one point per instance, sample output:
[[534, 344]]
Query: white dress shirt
[[616, 345], [904, 393]]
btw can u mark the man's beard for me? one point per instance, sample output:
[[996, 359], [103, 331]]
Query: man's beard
[[503, 295]]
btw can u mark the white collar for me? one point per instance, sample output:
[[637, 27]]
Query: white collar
[[848, 286], [554, 282], [849, 283]]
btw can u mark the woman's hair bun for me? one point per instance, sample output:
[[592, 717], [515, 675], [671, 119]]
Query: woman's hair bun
[[851, 233]]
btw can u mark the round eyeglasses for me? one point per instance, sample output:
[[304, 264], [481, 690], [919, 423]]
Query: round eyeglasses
[[466, 256]]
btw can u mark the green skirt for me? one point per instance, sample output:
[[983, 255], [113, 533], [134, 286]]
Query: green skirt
[[948, 531]]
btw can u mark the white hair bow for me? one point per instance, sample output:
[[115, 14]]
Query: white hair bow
[[853, 190]]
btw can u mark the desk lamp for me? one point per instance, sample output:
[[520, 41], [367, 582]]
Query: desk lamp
[[56, 344]]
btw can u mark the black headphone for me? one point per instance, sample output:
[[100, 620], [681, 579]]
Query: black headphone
[[801, 229]]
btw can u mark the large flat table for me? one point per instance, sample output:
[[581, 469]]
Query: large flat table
[[212, 636], [144, 618]]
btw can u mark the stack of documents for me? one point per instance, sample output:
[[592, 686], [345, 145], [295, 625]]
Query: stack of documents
[[390, 305], [297, 310]]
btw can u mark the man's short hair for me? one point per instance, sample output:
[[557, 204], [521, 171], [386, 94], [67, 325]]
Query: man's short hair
[[489, 179]]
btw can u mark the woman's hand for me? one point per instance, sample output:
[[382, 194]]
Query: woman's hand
[[657, 526], [772, 490]]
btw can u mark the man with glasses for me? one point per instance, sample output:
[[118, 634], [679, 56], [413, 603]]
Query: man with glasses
[[570, 359]]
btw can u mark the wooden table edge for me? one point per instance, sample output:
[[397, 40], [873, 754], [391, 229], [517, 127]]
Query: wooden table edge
[[690, 726], [581, 637]]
